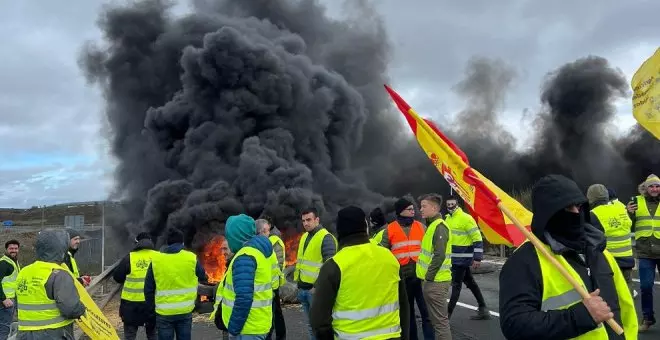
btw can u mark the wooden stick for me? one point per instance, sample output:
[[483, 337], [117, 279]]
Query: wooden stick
[[541, 247]]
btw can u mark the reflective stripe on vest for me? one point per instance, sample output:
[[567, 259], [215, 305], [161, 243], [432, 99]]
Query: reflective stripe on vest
[[367, 303], [9, 281], [559, 294], [310, 259], [35, 310], [261, 313], [645, 224], [134, 285], [74, 266], [405, 248], [176, 282], [278, 272], [427, 253], [378, 237], [464, 232], [616, 225]]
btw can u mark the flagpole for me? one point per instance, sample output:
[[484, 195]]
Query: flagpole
[[540, 247]]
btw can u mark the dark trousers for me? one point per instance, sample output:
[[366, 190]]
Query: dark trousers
[[278, 318], [459, 276], [171, 325], [414, 292], [646, 273], [130, 331]]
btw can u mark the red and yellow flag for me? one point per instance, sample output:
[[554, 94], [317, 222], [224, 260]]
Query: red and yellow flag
[[479, 193]]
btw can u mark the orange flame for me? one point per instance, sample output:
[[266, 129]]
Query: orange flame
[[214, 259], [291, 240]]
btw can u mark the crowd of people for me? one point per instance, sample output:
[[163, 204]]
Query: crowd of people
[[365, 281]]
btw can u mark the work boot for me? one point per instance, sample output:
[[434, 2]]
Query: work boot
[[482, 314], [645, 325]]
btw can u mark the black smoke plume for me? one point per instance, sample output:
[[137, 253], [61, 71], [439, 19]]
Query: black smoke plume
[[268, 107]]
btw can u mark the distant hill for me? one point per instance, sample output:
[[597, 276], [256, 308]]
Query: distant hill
[[55, 214]]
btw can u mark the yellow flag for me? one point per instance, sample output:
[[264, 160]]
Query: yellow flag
[[93, 322], [646, 94]]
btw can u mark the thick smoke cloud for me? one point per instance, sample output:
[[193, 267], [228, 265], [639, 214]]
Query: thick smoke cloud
[[268, 107]]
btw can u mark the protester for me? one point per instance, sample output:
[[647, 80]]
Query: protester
[[536, 301], [69, 259], [359, 293], [9, 269]]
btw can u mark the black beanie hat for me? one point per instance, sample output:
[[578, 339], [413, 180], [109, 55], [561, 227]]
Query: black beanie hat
[[377, 217], [351, 220], [174, 236], [401, 205], [142, 236]]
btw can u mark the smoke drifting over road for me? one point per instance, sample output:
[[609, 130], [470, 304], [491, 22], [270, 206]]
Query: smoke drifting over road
[[268, 107]]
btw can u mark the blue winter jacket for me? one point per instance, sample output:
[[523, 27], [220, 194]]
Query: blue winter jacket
[[243, 273], [150, 282]]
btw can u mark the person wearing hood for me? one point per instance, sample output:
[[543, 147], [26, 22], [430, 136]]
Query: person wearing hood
[[536, 301], [403, 237], [361, 278], [376, 223], [613, 220], [434, 265], [316, 246], [265, 228], [49, 290], [170, 287], [9, 269], [467, 248], [643, 211], [70, 261], [246, 292], [131, 272]]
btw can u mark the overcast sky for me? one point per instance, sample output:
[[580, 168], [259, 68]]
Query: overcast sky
[[53, 152]]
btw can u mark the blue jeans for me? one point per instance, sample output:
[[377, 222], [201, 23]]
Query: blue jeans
[[179, 325], [248, 337], [6, 317], [646, 277], [305, 298]]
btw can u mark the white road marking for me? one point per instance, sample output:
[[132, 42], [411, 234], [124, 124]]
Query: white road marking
[[465, 305], [502, 263]]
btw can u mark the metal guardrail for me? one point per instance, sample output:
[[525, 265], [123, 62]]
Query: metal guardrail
[[94, 287]]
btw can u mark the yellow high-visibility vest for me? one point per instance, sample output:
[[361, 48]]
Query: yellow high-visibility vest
[[645, 224], [261, 314], [616, 225], [426, 255], [559, 294], [74, 266], [9, 281], [309, 261], [278, 270], [464, 231], [134, 285], [378, 237], [176, 282], [35, 310], [367, 303]]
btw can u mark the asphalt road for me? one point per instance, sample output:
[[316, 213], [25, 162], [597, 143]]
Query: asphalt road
[[462, 327]]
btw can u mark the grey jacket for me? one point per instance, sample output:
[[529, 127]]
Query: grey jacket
[[279, 251], [51, 246]]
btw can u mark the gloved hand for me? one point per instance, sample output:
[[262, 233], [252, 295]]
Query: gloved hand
[[86, 280]]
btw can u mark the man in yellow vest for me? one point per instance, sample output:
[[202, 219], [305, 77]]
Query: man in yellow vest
[[434, 265], [376, 225], [467, 250], [265, 228], [245, 303], [536, 301], [613, 220], [69, 259], [170, 287], [131, 272], [316, 246], [645, 215], [9, 269], [46, 295], [359, 292]]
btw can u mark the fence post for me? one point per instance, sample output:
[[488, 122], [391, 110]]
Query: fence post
[[502, 251]]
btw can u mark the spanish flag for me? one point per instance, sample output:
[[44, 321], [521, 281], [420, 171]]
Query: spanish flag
[[480, 194], [646, 94]]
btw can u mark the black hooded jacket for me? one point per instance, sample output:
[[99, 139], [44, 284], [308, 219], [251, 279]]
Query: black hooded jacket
[[521, 283], [132, 312]]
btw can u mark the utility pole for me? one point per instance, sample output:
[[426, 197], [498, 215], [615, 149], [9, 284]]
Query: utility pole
[[43, 207], [103, 237]]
